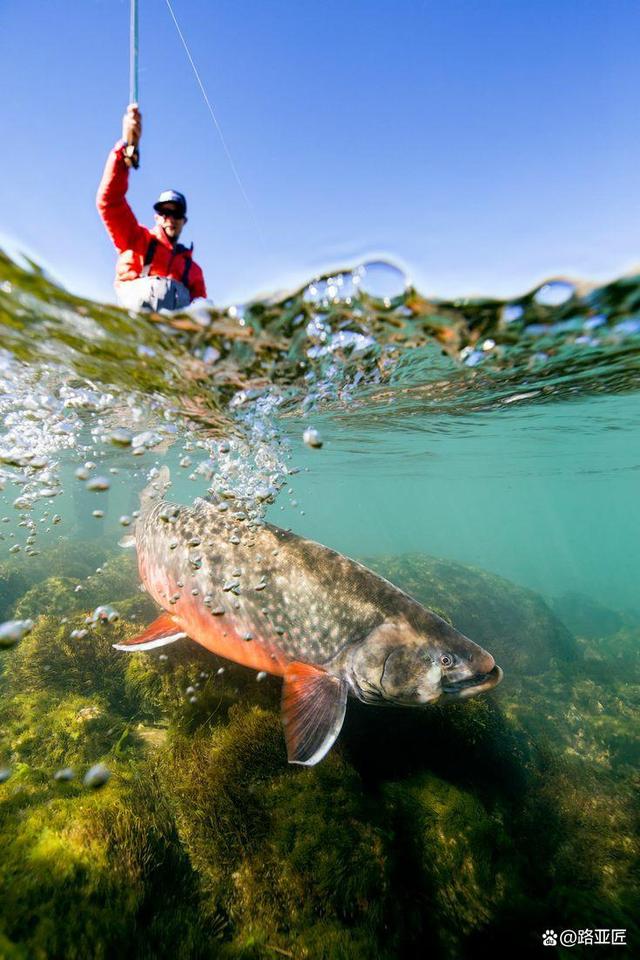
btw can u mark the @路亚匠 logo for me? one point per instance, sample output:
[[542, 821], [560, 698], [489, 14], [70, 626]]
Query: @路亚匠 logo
[[596, 937]]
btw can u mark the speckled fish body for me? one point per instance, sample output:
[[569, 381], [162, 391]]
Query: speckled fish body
[[296, 599], [274, 601]]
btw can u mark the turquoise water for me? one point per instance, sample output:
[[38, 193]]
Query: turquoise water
[[482, 455], [543, 495]]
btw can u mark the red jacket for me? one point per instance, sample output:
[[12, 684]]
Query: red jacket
[[133, 241]]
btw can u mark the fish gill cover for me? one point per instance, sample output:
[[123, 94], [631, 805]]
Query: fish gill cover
[[146, 805]]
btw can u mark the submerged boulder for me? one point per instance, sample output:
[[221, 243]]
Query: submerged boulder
[[585, 616]]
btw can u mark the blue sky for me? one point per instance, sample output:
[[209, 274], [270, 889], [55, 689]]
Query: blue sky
[[484, 144]]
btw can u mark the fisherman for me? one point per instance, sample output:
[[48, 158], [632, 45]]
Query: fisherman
[[154, 271]]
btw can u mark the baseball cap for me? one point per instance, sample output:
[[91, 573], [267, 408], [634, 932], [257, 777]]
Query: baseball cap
[[171, 196]]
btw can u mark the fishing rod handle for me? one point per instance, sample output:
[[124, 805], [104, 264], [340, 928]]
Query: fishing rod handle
[[132, 156]]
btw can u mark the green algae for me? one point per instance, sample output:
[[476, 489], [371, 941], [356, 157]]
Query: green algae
[[78, 870], [452, 832]]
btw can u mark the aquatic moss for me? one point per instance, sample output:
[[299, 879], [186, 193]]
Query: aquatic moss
[[49, 659], [97, 874], [462, 853], [77, 585], [159, 681], [117, 581], [12, 951], [55, 733], [55, 596], [211, 774], [55, 857], [326, 854], [283, 851], [159, 685], [469, 743]]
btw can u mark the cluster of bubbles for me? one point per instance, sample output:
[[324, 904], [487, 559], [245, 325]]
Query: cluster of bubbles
[[95, 777], [39, 421]]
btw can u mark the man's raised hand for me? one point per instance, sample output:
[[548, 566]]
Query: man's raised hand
[[132, 125]]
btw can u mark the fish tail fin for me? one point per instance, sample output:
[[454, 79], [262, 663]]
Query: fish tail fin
[[159, 483]]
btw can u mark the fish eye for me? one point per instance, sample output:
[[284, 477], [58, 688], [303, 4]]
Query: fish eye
[[446, 660]]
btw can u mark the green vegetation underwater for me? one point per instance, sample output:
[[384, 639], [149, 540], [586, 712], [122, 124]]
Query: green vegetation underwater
[[481, 455]]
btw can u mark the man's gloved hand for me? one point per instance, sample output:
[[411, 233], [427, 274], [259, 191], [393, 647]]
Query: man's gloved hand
[[132, 125]]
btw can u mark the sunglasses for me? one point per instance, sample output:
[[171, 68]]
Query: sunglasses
[[173, 214]]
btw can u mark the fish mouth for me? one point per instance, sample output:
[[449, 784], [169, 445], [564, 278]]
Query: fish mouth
[[472, 685]]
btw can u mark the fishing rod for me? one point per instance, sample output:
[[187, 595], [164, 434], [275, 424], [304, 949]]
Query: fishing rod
[[132, 152]]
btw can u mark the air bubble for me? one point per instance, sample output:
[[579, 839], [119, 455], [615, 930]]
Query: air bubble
[[97, 776], [12, 631]]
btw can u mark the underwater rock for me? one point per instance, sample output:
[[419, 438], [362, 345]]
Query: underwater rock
[[586, 617], [514, 623], [287, 857], [463, 853]]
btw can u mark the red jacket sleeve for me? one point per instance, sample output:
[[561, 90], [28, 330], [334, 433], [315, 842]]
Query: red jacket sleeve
[[117, 215], [197, 286]]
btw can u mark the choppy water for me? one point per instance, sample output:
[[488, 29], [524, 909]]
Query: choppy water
[[462, 442]]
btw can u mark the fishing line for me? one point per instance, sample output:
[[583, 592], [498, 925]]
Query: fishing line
[[133, 53], [214, 118]]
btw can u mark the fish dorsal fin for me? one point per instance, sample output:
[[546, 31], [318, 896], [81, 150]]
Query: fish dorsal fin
[[313, 707], [162, 631]]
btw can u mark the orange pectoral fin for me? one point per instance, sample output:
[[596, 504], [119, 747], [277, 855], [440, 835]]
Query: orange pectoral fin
[[162, 631], [313, 708]]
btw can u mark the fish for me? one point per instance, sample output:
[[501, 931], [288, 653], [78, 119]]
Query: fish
[[279, 603]]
